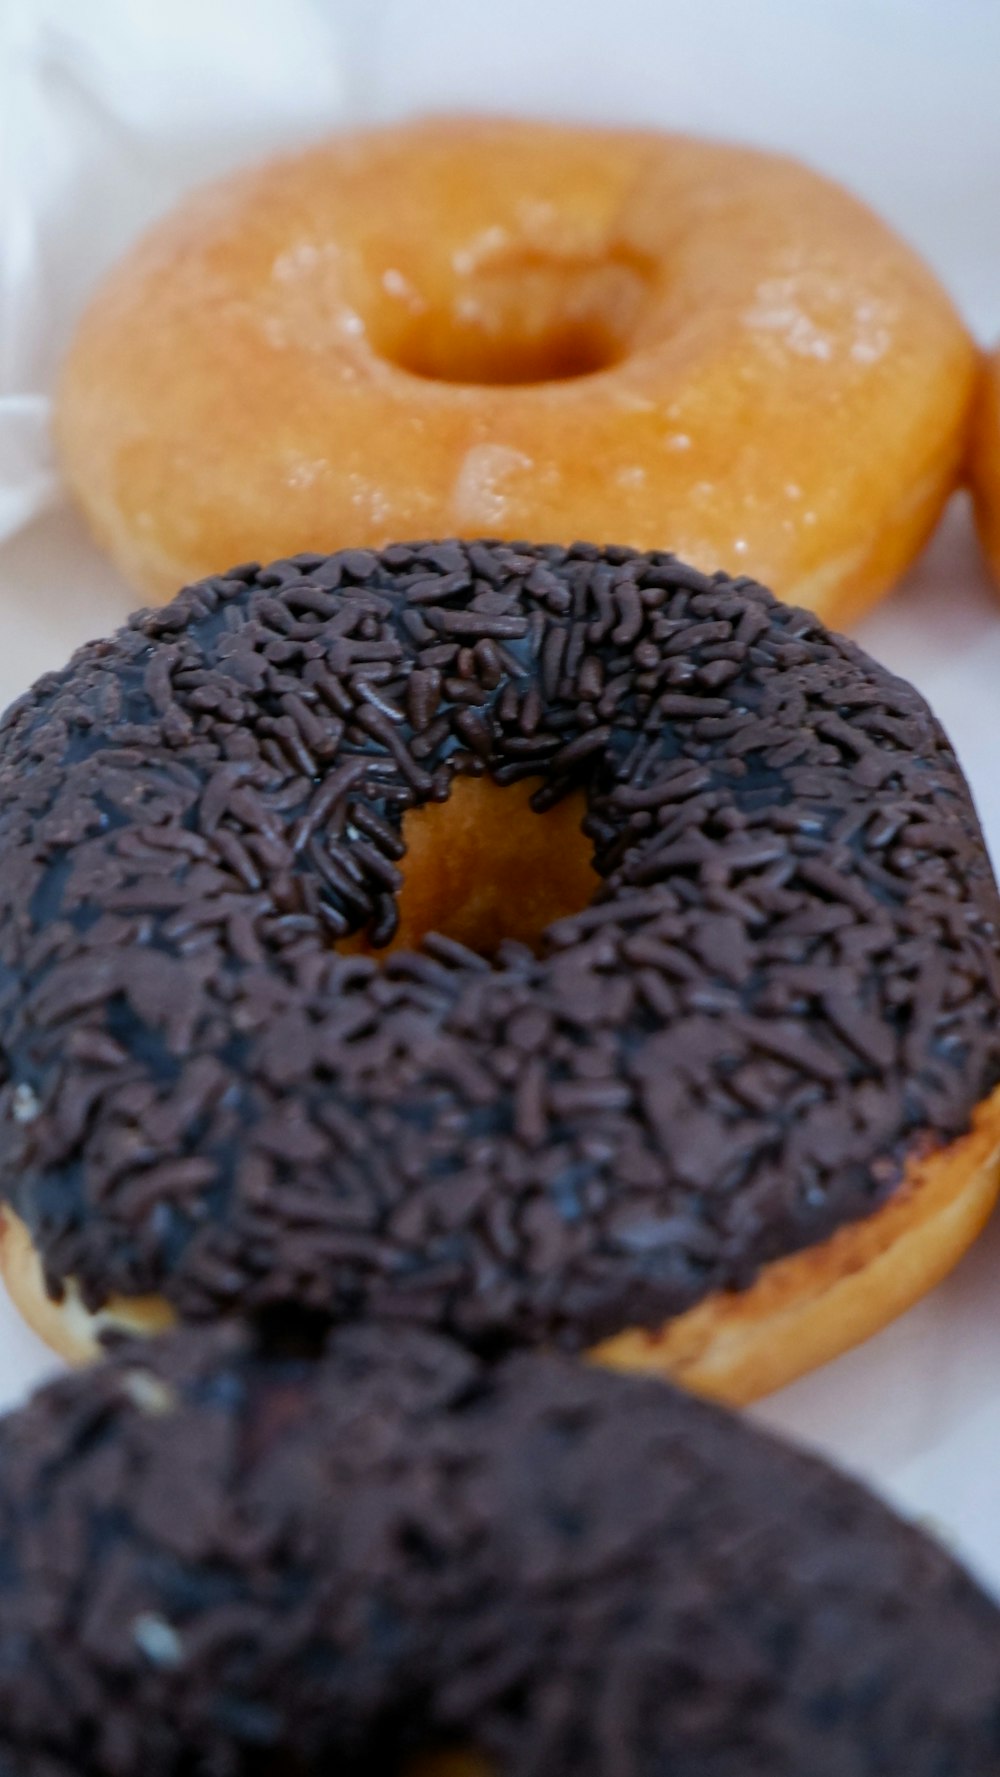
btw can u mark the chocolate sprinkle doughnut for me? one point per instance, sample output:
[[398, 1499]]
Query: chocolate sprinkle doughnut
[[216, 1557], [786, 985]]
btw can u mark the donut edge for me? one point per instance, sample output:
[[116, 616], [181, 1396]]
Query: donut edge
[[734, 1346], [809, 1307]]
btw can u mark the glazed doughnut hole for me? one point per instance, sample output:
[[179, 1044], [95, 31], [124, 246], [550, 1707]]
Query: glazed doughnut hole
[[519, 318]]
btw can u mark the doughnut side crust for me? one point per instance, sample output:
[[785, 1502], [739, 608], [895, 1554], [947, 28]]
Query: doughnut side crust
[[984, 461], [216, 1555], [786, 391], [782, 994], [736, 1345], [803, 1310]]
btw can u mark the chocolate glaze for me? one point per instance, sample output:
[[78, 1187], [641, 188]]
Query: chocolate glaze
[[223, 1561], [786, 986]]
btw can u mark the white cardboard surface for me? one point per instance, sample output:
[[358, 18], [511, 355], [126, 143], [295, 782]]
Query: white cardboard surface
[[103, 117]]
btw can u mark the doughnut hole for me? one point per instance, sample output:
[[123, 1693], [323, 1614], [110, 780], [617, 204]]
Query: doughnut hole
[[449, 1764], [524, 319], [483, 867]]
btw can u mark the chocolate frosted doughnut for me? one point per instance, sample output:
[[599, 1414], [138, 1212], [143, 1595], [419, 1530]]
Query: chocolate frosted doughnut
[[769, 1033], [215, 1558]]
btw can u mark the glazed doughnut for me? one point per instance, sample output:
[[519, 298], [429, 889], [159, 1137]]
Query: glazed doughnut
[[734, 1116], [528, 331], [739, 1110], [984, 461], [220, 1558]]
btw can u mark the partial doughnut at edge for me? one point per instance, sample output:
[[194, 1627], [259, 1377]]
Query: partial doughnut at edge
[[228, 1558]]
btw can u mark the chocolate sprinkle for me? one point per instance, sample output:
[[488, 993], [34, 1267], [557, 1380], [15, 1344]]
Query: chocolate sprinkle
[[226, 1560], [785, 988]]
